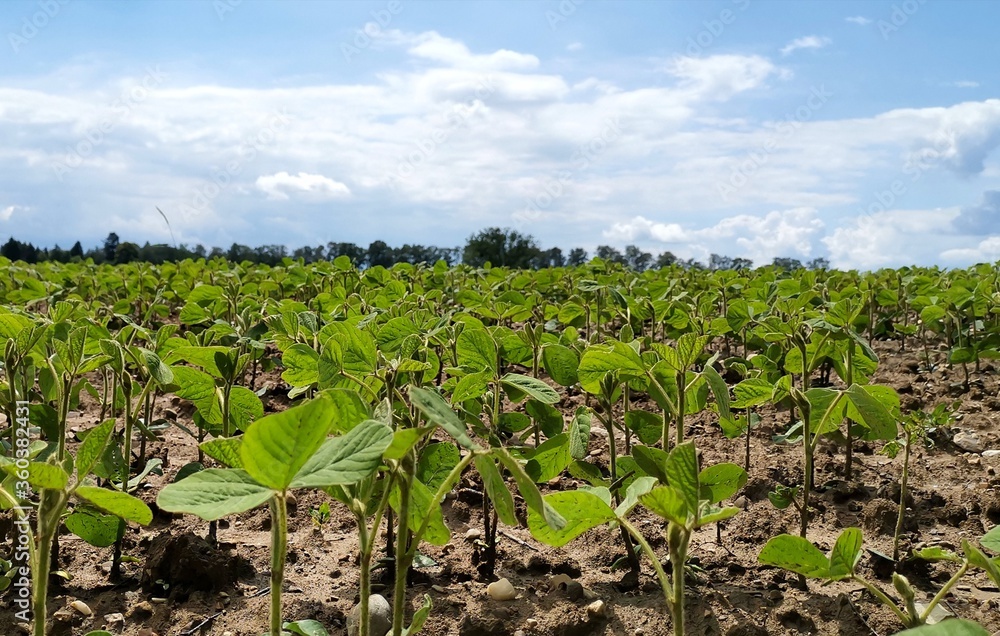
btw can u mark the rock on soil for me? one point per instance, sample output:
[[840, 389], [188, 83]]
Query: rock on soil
[[380, 617]]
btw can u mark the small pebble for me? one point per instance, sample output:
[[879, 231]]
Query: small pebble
[[596, 609], [501, 590], [531, 623], [82, 607], [473, 534]]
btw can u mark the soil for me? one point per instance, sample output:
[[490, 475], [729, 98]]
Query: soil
[[179, 585]]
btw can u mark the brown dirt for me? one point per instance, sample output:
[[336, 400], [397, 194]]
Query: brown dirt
[[955, 496]]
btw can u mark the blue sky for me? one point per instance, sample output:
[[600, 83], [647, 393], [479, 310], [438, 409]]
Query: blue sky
[[863, 132]]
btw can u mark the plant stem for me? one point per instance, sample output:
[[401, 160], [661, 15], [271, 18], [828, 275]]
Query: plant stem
[[678, 541], [902, 497], [279, 546], [402, 553], [943, 592], [849, 461], [885, 600], [661, 575]]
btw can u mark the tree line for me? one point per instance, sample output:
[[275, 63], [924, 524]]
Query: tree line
[[499, 246]]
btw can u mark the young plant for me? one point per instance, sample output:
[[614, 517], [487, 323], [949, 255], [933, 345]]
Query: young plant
[[279, 453], [684, 496], [798, 555], [53, 481]]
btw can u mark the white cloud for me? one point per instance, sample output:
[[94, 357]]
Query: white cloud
[[860, 20], [574, 46], [7, 212], [987, 251], [719, 77], [761, 238], [278, 185], [433, 46], [891, 238], [965, 84], [806, 42]]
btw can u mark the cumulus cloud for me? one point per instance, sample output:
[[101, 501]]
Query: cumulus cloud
[[279, 185], [7, 212], [760, 238], [435, 47], [890, 238], [986, 251], [720, 77], [806, 42]]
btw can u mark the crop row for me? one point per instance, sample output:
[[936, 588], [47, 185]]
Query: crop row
[[405, 379]]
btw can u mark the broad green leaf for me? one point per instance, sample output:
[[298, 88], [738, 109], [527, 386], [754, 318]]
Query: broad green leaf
[[420, 508], [682, 473], [349, 410], [403, 440], [795, 554], [600, 360], [845, 554], [950, 627], [550, 459], [721, 482], [306, 628], [714, 515], [689, 347], [636, 489], [92, 448], [935, 553], [436, 461], [752, 392], [204, 357], [213, 494], [516, 384], [548, 417], [41, 475], [347, 459], [471, 386], [667, 502], [277, 446], [97, 529], [647, 426], [476, 350], [719, 390], [301, 364], [224, 450], [652, 461], [977, 558], [199, 387], [874, 406], [118, 503], [437, 411], [579, 433], [156, 368], [581, 510], [245, 407], [991, 540], [529, 491], [496, 489], [560, 363]]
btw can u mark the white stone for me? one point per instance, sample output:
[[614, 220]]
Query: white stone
[[596, 609], [501, 590], [82, 607], [991, 453], [380, 617], [473, 534], [968, 442]]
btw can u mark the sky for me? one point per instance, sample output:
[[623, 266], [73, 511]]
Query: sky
[[861, 132]]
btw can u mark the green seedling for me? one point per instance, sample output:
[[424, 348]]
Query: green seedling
[[279, 453], [798, 555]]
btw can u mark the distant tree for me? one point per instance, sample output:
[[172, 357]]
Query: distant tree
[[126, 252], [552, 257], [636, 259], [740, 264], [788, 264], [818, 263], [57, 254], [665, 259], [717, 262], [503, 247], [608, 253], [12, 249], [379, 253], [691, 263], [29, 253], [577, 256], [110, 247], [76, 251], [350, 250]]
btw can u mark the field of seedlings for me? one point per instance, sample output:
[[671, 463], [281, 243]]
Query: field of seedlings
[[208, 448]]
